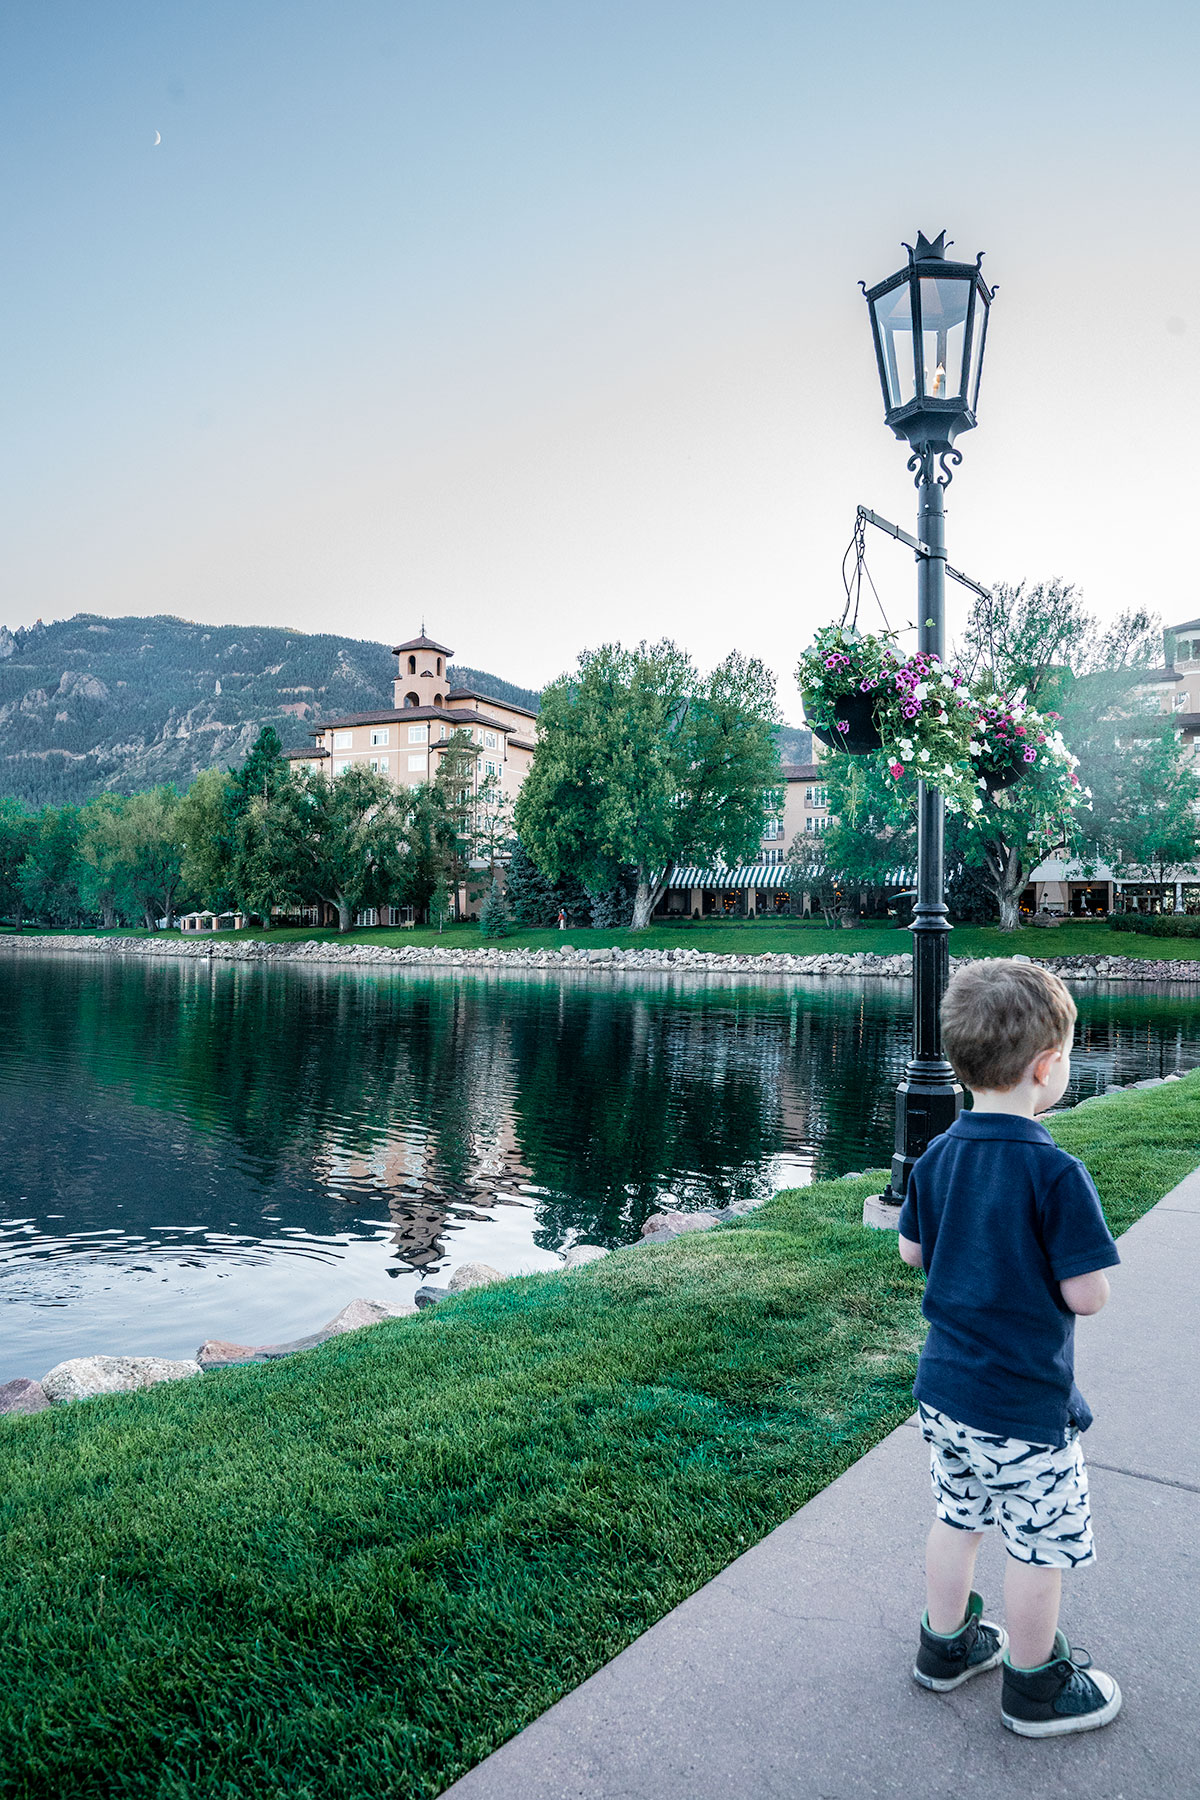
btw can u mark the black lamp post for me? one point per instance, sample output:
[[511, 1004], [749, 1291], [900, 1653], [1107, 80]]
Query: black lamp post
[[930, 322]]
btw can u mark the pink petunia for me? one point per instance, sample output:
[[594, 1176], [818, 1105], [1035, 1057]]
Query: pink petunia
[[897, 769], [1031, 755], [843, 724]]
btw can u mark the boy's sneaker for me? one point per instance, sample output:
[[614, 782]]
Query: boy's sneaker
[[946, 1662], [1058, 1697]]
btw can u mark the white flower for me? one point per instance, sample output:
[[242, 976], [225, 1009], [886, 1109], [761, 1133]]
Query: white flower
[[924, 756], [974, 749], [948, 772], [906, 744], [920, 691], [981, 783], [906, 755], [1087, 793]]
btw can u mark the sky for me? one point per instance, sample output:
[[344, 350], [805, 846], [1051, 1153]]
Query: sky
[[538, 321]]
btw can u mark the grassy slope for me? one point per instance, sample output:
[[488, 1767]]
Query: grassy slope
[[354, 1573], [1075, 938]]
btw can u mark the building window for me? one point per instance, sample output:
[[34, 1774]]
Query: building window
[[772, 828], [378, 765], [490, 767], [816, 796], [412, 699], [412, 665], [489, 740], [1179, 701], [416, 734], [379, 736], [343, 740], [818, 825], [340, 763], [415, 763], [439, 666]]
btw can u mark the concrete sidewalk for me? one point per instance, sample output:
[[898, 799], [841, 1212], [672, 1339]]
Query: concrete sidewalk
[[787, 1677]]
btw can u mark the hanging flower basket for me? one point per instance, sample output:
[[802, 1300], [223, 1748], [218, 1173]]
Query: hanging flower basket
[[854, 729], [860, 694], [1013, 742]]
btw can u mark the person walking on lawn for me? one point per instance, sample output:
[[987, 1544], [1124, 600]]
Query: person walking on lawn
[[1013, 1242]]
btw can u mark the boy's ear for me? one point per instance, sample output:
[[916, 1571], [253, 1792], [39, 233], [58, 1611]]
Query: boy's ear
[[1042, 1063]]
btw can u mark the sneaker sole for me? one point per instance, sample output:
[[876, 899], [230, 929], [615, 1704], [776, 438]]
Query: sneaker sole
[[938, 1685], [1044, 1728]]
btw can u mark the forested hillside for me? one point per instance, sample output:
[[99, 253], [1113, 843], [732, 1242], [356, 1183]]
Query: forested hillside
[[89, 704]]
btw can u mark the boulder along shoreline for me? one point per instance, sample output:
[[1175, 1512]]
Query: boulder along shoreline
[[569, 956]]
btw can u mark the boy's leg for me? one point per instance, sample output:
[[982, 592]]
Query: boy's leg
[[1032, 1594], [949, 1575]]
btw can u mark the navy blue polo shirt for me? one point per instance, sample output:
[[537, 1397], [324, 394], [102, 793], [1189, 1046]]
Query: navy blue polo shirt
[[1003, 1215]]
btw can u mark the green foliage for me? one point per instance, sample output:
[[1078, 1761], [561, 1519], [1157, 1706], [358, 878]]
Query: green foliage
[[536, 900], [441, 905], [16, 835], [48, 876], [495, 920], [344, 837], [1159, 925], [641, 762]]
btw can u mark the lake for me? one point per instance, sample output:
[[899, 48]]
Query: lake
[[199, 1149]]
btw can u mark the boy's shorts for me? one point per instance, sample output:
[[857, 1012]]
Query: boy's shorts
[[1037, 1494]]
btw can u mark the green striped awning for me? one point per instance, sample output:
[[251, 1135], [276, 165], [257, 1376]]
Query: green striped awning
[[752, 875]]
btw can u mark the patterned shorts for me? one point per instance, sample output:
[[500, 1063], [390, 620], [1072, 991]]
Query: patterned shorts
[[1037, 1494]]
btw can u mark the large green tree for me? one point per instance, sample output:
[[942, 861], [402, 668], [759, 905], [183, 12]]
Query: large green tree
[[151, 851], [346, 837], [642, 762], [49, 874], [103, 876]]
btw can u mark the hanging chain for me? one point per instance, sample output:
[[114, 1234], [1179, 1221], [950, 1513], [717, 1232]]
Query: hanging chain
[[853, 583]]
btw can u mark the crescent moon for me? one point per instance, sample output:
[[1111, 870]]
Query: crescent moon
[[158, 137]]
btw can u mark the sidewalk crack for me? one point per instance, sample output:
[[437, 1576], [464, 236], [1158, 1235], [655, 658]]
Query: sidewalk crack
[[1189, 1487]]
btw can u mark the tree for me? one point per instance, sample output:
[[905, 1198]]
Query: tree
[[1152, 804], [495, 920], [440, 903], [103, 877], [16, 834], [872, 831], [536, 900], [346, 837], [206, 826], [642, 762], [454, 786], [49, 874], [151, 851]]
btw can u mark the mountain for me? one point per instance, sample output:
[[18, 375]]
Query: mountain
[[88, 704]]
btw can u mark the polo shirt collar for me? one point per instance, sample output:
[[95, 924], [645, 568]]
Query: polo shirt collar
[[1012, 1126]]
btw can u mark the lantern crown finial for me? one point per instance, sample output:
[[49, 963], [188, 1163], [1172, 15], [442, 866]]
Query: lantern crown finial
[[935, 251]]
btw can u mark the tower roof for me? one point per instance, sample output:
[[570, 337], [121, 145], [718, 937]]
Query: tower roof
[[422, 643]]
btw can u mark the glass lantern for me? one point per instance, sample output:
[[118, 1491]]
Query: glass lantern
[[930, 323]]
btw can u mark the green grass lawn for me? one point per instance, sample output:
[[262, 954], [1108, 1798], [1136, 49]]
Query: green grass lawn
[[354, 1573], [1076, 937]]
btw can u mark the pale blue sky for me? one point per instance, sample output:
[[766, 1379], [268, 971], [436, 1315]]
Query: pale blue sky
[[541, 320]]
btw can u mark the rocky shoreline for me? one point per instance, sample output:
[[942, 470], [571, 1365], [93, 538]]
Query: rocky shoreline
[[574, 957]]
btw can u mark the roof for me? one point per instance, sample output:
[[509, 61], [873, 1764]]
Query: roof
[[762, 875], [458, 715], [1192, 625], [422, 643], [1158, 675], [304, 755], [460, 693], [801, 771], [519, 743]]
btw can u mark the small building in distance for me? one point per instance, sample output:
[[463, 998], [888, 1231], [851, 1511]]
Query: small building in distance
[[406, 741]]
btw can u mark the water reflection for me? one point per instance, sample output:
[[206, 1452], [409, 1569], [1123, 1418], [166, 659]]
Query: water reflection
[[192, 1149]]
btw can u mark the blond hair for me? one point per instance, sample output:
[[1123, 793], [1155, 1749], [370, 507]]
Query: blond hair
[[998, 1015]]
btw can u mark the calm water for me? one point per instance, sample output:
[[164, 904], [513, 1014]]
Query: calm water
[[191, 1150]]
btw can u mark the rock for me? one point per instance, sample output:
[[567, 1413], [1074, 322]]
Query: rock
[[854, 1175], [581, 1254], [219, 1353], [429, 1295], [367, 1312], [1153, 1081], [660, 1227], [23, 1396], [473, 1275], [1022, 959], [83, 1377]]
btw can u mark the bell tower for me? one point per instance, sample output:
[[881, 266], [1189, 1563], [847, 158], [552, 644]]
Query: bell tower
[[421, 673]]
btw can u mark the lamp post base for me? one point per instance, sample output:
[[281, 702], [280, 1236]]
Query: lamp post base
[[928, 1101], [880, 1214]]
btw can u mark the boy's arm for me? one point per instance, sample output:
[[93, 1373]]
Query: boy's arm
[[1082, 1293], [910, 1252]]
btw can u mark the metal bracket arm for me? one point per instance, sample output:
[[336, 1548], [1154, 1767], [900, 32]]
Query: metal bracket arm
[[885, 525]]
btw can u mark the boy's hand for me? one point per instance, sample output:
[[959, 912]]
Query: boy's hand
[[910, 1252], [1083, 1293]]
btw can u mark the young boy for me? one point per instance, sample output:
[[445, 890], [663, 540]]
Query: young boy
[[1013, 1242]]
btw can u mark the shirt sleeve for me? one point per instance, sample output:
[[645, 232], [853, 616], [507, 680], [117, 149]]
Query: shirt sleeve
[[907, 1221], [1076, 1237]]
